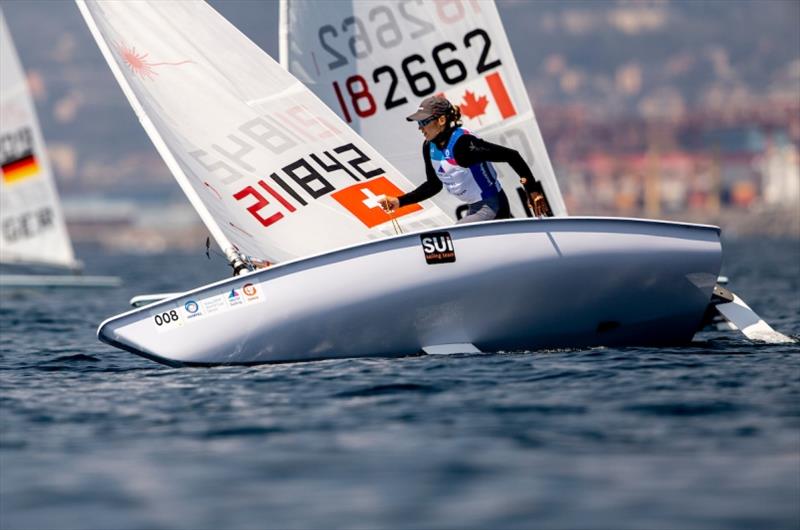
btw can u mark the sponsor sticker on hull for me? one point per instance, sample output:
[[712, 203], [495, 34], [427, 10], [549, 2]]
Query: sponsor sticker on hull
[[235, 297], [214, 304], [193, 310], [251, 292], [438, 247]]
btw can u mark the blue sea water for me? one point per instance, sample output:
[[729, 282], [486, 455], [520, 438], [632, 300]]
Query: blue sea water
[[705, 436]]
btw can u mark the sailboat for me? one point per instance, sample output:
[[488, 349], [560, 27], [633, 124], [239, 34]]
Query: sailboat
[[35, 248], [373, 62], [278, 177]]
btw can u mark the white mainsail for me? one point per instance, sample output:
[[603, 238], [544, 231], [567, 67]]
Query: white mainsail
[[271, 170], [32, 228], [374, 61]]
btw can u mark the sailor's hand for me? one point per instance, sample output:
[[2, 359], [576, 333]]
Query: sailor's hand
[[538, 204], [389, 203]]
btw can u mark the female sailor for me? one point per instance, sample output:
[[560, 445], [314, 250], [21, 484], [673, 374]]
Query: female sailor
[[462, 163]]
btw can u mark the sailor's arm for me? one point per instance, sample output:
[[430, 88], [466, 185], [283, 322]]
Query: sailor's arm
[[424, 191], [470, 150]]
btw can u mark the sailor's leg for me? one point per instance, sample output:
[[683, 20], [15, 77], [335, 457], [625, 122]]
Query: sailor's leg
[[484, 210]]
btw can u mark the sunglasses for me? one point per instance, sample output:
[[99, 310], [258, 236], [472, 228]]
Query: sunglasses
[[426, 121]]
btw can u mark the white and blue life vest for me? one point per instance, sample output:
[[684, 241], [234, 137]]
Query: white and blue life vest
[[469, 184]]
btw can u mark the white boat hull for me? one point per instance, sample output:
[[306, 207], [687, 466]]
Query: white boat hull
[[514, 285]]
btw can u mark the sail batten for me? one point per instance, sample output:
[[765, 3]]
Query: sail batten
[[272, 171]]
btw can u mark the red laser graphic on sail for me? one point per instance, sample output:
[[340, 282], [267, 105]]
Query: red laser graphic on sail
[[138, 62]]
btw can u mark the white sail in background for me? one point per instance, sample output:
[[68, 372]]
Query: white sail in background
[[372, 62], [272, 171], [32, 228]]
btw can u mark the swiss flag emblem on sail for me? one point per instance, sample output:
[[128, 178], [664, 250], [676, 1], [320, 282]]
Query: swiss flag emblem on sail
[[362, 201], [483, 101]]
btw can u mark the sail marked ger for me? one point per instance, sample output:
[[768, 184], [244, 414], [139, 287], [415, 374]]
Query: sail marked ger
[[372, 62], [32, 227], [259, 156]]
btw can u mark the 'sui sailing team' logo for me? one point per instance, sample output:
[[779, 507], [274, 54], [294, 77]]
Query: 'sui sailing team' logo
[[438, 247]]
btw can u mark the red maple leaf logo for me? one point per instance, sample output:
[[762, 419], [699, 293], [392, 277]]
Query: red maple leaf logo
[[472, 107]]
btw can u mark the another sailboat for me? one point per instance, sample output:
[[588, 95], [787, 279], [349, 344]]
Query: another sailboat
[[35, 249], [276, 176], [372, 62]]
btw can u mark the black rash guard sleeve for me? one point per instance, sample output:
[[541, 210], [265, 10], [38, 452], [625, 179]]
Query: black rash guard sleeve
[[427, 189], [470, 150]]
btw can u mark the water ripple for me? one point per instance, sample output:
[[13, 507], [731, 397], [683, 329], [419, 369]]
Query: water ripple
[[703, 436]]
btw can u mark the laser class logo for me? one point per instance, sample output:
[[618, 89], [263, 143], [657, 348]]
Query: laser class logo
[[438, 247], [138, 62]]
